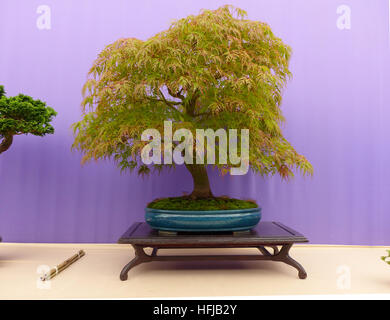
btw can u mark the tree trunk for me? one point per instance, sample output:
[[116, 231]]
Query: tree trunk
[[6, 143], [201, 181]]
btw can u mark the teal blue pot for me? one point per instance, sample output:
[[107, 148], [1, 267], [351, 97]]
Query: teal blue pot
[[203, 221]]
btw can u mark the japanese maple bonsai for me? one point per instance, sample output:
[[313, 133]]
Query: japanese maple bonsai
[[23, 115], [210, 71]]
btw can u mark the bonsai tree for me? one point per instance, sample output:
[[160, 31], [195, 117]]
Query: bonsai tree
[[22, 115], [209, 71]]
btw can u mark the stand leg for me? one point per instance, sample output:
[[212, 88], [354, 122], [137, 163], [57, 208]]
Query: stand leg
[[284, 256], [154, 252], [140, 257], [301, 271], [276, 249], [264, 251]]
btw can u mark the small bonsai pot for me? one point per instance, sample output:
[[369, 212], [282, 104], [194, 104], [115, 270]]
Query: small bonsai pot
[[203, 221]]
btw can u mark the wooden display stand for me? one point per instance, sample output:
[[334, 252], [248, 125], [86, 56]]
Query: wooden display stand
[[272, 235]]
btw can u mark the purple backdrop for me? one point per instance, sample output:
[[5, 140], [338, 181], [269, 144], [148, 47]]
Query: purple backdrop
[[335, 108]]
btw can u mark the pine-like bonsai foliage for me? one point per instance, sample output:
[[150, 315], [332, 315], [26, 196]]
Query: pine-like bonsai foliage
[[23, 115], [214, 70]]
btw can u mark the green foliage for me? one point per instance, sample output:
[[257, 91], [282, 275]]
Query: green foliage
[[386, 258], [23, 115], [213, 70], [2, 91], [189, 204]]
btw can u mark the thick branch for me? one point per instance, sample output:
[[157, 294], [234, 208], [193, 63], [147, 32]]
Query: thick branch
[[6, 143], [177, 94], [171, 105]]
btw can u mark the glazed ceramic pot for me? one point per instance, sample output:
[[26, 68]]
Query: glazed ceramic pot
[[203, 221]]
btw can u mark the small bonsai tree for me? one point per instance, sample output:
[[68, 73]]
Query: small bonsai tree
[[22, 115], [213, 70]]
